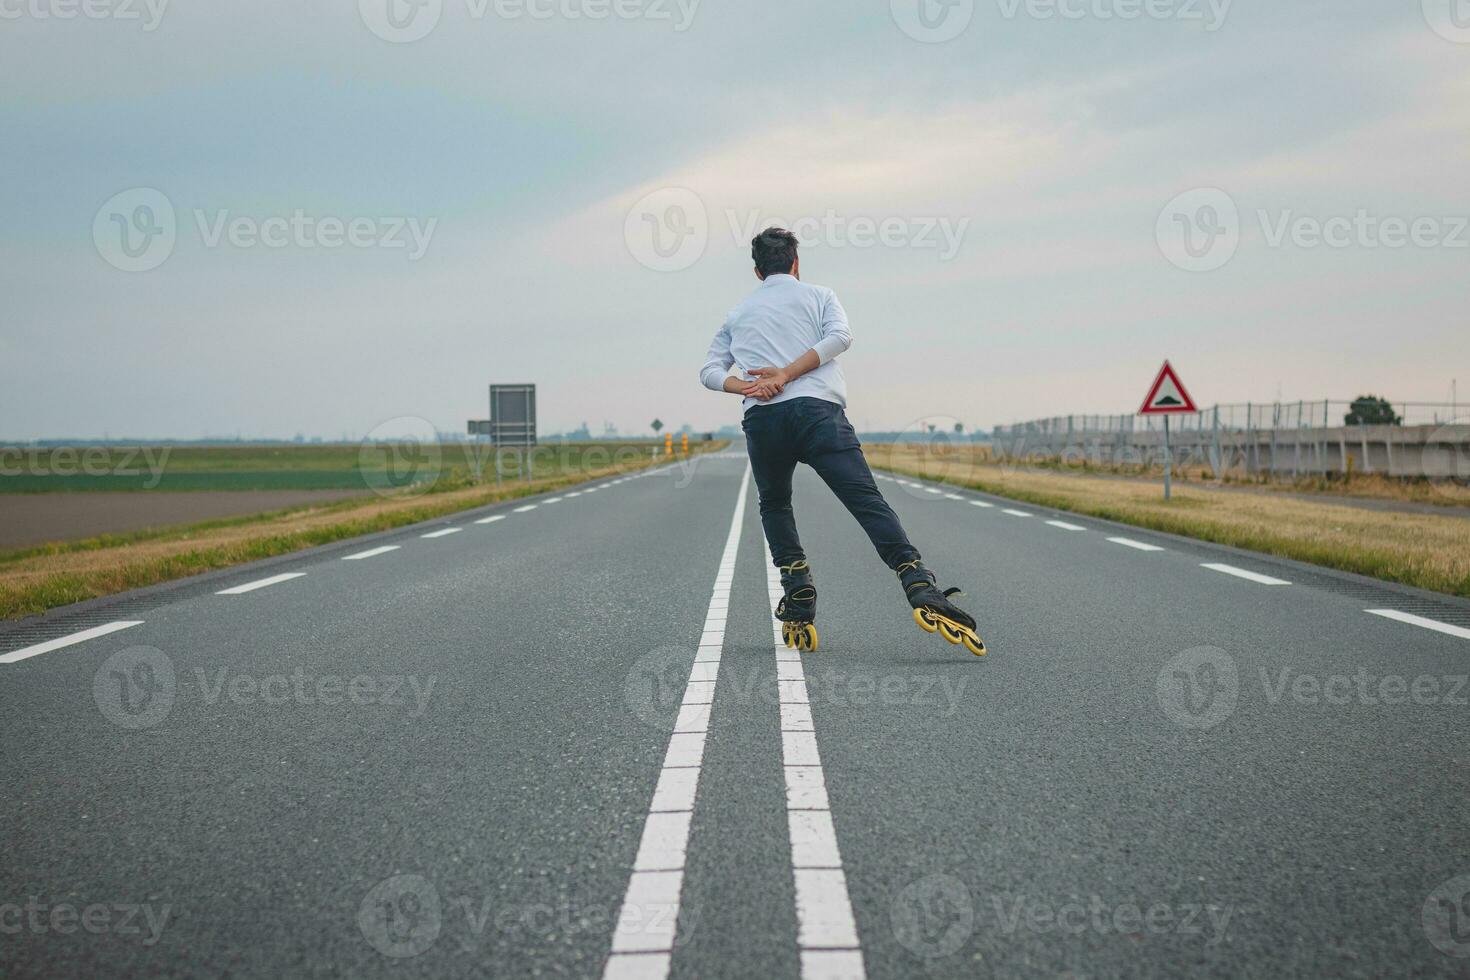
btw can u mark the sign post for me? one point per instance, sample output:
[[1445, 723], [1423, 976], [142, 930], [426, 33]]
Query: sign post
[[477, 428], [513, 423], [1168, 463], [1167, 397]]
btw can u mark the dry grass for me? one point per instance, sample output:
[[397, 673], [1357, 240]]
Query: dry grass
[[1426, 550], [35, 580]]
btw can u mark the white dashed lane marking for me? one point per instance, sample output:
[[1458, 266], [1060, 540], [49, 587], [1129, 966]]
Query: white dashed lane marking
[[1411, 619], [1130, 543], [442, 533], [1256, 577], [522, 510], [372, 553], [789, 711], [15, 656], [491, 519], [260, 583], [643, 941], [552, 500]]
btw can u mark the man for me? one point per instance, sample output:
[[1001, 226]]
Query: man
[[786, 336]]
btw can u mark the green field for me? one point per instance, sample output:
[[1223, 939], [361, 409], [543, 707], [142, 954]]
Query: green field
[[34, 579], [354, 466]]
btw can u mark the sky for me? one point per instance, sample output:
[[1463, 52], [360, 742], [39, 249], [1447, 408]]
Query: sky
[[276, 218]]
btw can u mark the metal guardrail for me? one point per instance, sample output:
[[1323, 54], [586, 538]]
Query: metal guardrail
[[1245, 416]]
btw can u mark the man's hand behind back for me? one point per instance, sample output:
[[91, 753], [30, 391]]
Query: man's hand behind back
[[769, 382], [759, 388]]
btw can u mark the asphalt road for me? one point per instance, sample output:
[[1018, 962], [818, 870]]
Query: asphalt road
[[516, 748]]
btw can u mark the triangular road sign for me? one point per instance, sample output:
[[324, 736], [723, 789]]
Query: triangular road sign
[[1167, 395]]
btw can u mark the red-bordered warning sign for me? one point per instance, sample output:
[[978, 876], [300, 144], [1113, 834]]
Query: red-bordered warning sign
[[1167, 395]]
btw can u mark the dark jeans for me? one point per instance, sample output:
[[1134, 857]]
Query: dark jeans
[[817, 433]]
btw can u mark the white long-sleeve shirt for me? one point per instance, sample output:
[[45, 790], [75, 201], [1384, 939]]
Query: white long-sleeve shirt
[[782, 320]]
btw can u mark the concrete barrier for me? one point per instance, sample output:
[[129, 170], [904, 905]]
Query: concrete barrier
[[1432, 451]]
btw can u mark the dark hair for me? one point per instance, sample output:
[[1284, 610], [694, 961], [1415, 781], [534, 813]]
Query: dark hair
[[774, 251]]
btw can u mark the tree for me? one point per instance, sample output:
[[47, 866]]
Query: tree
[[1371, 410], [959, 428]]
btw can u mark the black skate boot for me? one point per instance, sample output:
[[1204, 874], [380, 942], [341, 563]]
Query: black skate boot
[[798, 607], [934, 612]]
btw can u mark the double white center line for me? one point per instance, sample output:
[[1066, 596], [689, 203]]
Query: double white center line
[[643, 942], [825, 930]]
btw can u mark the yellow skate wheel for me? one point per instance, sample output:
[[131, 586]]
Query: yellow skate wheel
[[949, 632], [787, 636], [809, 637], [925, 619], [975, 646]]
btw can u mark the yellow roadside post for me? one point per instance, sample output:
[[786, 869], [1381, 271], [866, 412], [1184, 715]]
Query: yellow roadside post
[[686, 444], [668, 444]]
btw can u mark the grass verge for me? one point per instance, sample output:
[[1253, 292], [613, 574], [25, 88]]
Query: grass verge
[[1424, 550], [1366, 486], [37, 579]]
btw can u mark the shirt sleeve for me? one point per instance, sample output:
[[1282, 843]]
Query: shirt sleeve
[[718, 361], [836, 337]]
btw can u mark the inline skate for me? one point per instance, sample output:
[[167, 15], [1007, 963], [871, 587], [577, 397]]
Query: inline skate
[[934, 612], [798, 606]]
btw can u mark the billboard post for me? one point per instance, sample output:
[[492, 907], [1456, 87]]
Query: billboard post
[[513, 423]]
